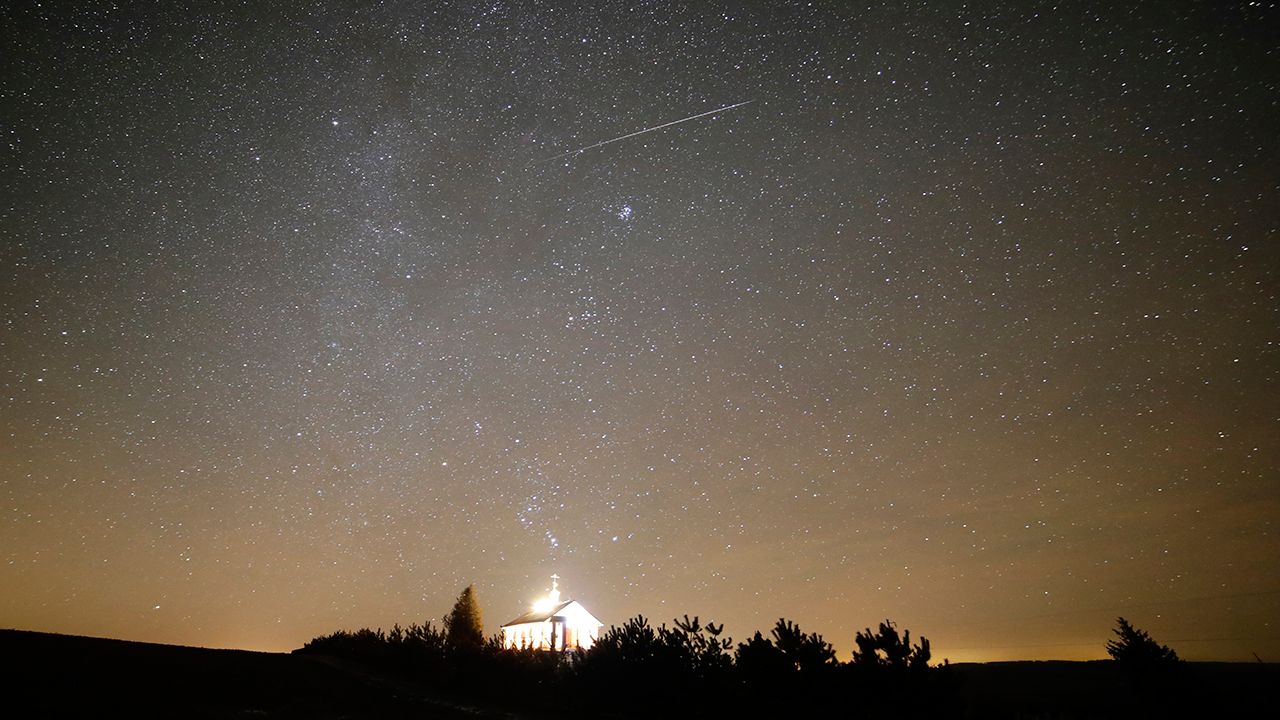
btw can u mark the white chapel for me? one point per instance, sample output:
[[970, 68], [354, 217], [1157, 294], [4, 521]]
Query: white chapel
[[552, 624]]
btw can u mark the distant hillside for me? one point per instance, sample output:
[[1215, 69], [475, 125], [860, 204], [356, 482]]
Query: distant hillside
[[63, 675]]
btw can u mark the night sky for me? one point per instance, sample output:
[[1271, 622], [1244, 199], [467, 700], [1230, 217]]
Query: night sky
[[968, 318]]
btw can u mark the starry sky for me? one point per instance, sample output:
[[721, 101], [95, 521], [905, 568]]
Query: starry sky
[[313, 315]]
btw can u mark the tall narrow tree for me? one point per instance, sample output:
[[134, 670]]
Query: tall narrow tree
[[463, 626]]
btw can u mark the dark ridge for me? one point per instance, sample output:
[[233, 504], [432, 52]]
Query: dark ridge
[[52, 675]]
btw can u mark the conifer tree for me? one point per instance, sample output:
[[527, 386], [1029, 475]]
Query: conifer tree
[[463, 626], [1135, 648], [887, 649]]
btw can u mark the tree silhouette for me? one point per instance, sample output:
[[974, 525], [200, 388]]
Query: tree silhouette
[[886, 649], [759, 660], [701, 649], [789, 651], [805, 651], [789, 673], [463, 626], [1134, 648]]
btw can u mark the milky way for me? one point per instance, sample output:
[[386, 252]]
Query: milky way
[[968, 320]]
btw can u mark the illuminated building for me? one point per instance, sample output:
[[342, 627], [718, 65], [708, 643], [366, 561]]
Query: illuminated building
[[552, 624]]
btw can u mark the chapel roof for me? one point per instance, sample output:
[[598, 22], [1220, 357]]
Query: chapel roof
[[540, 615]]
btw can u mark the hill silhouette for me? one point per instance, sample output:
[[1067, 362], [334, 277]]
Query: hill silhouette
[[53, 675]]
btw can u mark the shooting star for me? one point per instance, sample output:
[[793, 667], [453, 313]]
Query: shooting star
[[640, 132]]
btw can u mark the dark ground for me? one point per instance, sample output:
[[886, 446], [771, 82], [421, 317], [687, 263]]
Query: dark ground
[[67, 676], [1100, 689]]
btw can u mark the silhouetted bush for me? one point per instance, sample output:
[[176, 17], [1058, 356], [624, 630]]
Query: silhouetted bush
[[885, 649], [685, 670], [688, 660], [759, 659], [403, 651], [788, 672], [806, 652]]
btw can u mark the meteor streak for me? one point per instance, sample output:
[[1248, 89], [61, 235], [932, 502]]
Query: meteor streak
[[641, 132]]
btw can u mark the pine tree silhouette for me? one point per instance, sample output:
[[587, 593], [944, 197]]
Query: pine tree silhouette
[[1136, 649], [463, 626], [886, 649]]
